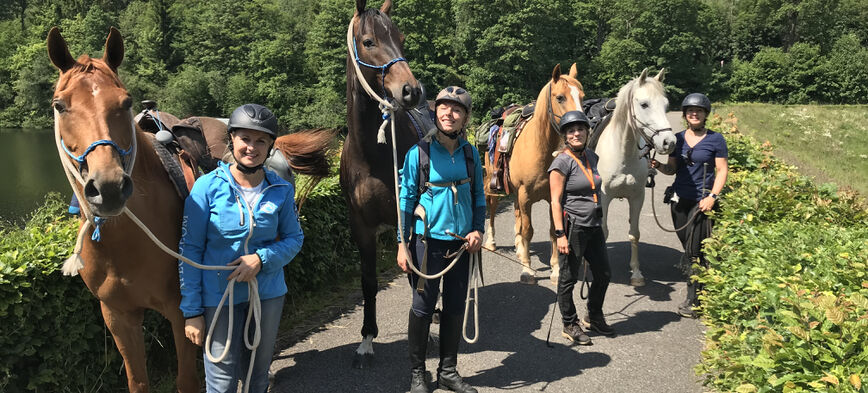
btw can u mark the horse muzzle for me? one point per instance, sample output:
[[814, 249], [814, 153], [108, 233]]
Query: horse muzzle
[[664, 142], [107, 192]]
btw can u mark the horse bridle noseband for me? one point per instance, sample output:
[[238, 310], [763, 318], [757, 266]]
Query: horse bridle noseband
[[83, 157]]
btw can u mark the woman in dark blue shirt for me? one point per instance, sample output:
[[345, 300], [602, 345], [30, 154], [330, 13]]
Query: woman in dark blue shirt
[[699, 163]]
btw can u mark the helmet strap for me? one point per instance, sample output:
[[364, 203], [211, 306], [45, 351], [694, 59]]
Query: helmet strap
[[452, 136]]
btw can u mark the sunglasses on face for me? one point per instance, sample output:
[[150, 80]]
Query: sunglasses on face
[[458, 91], [687, 157]]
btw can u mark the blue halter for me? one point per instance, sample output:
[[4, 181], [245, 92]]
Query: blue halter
[[383, 68], [97, 221]]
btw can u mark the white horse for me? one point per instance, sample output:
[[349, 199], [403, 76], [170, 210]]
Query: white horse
[[639, 120]]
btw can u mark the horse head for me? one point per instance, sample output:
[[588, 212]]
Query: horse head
[[562, 94], [94, 121], [378, 47], [648, 104]]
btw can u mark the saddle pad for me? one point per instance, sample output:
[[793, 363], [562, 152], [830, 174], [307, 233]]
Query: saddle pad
[[172, 167]]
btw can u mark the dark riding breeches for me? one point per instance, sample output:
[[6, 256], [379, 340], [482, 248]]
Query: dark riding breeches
[[588, 243], [454, 282]]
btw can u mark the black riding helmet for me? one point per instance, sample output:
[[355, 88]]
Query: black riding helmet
[[253, 117], [697, 100], [572, 117]]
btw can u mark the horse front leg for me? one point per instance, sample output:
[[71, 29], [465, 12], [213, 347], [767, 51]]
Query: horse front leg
[[366, 240], [492, 203], [126, 329], [186, 352], [523, 234], [636, 278]]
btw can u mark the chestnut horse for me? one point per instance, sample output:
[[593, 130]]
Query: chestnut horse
[[638, 124], [119, 170], [367, 178], [529, 164]]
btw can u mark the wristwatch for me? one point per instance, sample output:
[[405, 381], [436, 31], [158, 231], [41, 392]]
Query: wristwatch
[[713, 196], [559, 233]]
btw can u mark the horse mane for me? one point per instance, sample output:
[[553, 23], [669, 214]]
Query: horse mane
[[621, 101]]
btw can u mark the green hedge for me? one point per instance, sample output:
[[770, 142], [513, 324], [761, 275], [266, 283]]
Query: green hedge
[[786, 296], [52, 336]]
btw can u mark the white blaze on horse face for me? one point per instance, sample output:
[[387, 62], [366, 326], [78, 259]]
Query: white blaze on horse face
[[95, 89], [574, 92]]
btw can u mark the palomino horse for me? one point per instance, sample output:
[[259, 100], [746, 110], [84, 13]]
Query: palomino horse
[[531, 158], [116, 160], [638, 124], [367, 178]]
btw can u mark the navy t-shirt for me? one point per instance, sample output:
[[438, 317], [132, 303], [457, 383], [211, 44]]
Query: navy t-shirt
[[695, 161], [578, 199]]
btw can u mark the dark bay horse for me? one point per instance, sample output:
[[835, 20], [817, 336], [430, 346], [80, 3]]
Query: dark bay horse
[[367, 178], [120, 170]]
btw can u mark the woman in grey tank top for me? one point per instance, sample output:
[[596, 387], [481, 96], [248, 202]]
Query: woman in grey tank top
[[575, 186]]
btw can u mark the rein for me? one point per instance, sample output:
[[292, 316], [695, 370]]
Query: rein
[[385, 106], [74, 263]]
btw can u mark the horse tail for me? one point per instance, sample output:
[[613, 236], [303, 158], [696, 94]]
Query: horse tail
[[307, 150]]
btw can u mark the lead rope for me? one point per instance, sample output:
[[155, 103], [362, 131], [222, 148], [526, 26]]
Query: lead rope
[[74, 263]]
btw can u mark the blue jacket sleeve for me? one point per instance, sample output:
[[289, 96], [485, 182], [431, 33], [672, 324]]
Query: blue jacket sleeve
[[278, 254], [194, 227], [478, 223], [409, 181]]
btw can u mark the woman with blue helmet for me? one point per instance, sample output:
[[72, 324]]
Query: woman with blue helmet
[[245, 216]]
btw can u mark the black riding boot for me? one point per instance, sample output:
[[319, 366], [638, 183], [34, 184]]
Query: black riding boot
[[450, 337], [417, 337]]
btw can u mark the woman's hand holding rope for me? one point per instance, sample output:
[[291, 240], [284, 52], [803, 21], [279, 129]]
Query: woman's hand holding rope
[[248, 266]]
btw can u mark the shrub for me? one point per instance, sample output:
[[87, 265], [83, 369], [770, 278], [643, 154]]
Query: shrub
[[786, 296]]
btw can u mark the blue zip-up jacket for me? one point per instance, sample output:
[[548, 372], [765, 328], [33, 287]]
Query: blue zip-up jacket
[[216, 227], [441, 210]]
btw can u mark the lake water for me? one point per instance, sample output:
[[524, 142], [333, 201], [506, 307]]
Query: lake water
[[32, 170]]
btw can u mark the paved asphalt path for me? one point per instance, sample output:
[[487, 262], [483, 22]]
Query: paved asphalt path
[[654, 349]]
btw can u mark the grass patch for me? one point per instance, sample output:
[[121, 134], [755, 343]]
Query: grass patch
[[826, 142]]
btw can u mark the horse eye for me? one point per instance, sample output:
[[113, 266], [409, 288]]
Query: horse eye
[[58, 105], [368, 43], [561, 99], [644, 105]]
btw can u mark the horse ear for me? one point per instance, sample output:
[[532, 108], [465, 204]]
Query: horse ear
[[114, 49], [360, 6], [556, 73], [573, 71], [58, 51], [661, 75], [387, 6], [643, 75]]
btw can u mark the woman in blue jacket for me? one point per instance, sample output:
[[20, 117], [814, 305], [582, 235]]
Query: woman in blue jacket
[[450, 207], [244, 216]]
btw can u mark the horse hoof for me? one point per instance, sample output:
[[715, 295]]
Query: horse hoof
[[637, 282], [490, 245], [527, 278], [363, 361]]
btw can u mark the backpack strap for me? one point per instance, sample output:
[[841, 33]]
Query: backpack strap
[[471, 167], [424, 166]]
